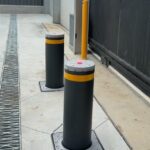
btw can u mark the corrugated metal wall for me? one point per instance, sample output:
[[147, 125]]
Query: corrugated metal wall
[[22, 2], [120, 32]]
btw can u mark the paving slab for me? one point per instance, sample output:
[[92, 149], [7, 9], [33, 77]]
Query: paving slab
[[110, 138], [46, 110], [35, 140]]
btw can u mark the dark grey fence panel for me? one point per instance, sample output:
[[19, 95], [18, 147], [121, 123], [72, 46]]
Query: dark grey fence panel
[[22, 2], [120, 32], [104, 20]]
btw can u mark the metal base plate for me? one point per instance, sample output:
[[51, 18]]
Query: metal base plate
[[58, 137], [43, 88]]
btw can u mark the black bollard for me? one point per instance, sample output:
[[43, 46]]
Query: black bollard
[[78, 104], [54, 60]]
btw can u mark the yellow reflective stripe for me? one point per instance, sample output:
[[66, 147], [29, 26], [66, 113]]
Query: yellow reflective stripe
[[79, 78], [54, 41]]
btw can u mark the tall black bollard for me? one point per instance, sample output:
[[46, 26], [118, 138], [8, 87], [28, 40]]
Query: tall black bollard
[[54, 60], [78, 104]]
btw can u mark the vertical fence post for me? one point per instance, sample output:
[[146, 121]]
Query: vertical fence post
[[85, 7]]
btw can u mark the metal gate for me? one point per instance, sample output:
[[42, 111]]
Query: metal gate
[[120, 33], [22, 2]]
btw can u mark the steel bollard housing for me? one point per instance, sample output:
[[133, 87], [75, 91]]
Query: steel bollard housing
[[78, 104], [54, 60]]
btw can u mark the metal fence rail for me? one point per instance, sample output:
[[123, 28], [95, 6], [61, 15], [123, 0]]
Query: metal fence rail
[[22, 2]]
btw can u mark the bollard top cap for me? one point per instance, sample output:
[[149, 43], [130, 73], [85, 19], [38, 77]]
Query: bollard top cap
[[54, 35], [80, 65]]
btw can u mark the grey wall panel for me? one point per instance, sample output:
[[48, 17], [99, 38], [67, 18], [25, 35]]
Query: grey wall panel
[[21, 2], [56, 11], [67, 8], [78, 25], [47, 6], [128, 31], [135, 35], [51, 7], [104, 19]]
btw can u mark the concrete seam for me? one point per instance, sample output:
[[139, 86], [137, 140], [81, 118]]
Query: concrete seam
[[35, 130], [101, 124], [123, 137]]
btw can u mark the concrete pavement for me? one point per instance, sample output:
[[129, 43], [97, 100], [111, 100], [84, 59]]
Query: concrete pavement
[[42, 113], [116, 107], [127, 109]]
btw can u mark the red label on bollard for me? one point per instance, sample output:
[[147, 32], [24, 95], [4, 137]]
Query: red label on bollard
[[79, 62]]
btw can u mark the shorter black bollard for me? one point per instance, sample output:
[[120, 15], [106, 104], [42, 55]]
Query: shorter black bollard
[[78, 104], [54, 60]]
